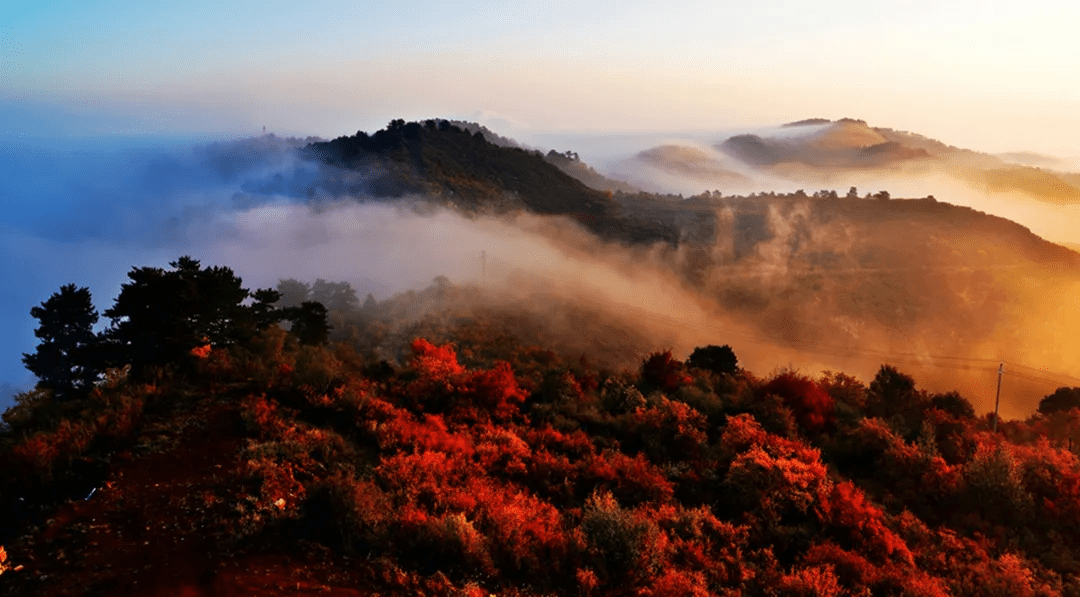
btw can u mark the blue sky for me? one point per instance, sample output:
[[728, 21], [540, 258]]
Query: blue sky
[[992, 75]]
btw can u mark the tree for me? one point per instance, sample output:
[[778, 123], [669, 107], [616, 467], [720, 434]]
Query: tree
[[293, 292], [161, 315], [812, 406], [1061, 399], [718, 359], [65, 361], [954, 404], [263, 309], [893, 393], [335, 296], [309, 322]]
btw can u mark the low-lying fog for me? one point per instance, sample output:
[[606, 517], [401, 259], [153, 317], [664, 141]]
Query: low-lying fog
[[87, 211]]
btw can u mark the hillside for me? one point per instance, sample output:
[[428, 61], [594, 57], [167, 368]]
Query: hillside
[[447, 165], [491, 465], [853, 148], [848, 271]]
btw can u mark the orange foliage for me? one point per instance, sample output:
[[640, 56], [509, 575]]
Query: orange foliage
[[671, 430], [435, 362], [443, 385], [864, 523]]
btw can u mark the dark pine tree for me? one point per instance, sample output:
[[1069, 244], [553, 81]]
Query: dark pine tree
[[309, 322], [160, 315], [66, 361]]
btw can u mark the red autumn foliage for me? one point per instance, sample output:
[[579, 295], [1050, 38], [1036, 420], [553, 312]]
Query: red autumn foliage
[[812, 406], [444, 386], [664, 371], [456, 480], [671, 430]]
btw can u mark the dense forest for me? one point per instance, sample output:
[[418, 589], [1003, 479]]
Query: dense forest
[[260, 442]]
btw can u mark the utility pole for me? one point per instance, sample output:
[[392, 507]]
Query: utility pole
[[997, 398]]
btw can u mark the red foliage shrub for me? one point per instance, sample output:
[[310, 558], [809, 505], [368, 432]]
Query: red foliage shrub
[[812, 406], [678, 583], [572, 444], [776, 485], [494, 391], [863, 523], [633, 479], [524, 534], [500, 451], [405, 433], [429, 480], [814, 581], [852, 568], [670, 431], [743, 432], [442, 385], [664, 371], [434, 362]]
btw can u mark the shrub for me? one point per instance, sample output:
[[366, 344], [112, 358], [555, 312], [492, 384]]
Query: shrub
[[811, 405], [356, 510], [662, 371], [994, 484], [617, 539]]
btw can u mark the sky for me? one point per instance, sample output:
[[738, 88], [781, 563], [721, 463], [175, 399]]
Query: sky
[[990, 75], [101, 102]]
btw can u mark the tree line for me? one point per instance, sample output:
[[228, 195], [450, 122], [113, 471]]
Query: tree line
[[158, 319]]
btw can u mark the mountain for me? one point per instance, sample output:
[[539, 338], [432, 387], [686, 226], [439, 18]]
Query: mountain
[[792, 265], [845, 143], [854, 148], [449, 166], [682, 165]]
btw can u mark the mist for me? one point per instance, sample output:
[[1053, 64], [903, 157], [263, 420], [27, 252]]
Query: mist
[[85, 212]]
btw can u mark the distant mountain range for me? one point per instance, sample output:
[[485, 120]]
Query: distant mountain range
[[826, 151]]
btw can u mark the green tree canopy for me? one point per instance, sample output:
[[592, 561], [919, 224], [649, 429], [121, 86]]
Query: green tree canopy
[[335, 296], [309, 322]]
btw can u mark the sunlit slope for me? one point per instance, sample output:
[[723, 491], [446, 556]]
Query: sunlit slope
[[850, 149]]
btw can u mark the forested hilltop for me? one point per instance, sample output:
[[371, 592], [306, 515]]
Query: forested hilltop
[[438, 162], [242, 451]]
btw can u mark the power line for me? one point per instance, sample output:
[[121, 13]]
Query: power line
[[961, 363]]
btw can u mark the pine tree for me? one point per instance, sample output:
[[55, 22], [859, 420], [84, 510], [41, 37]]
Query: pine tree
[[66, 361], [161, 315]]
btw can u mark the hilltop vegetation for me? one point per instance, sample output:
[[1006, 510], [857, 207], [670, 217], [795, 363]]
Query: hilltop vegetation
[[262, 464], [450, 166]]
